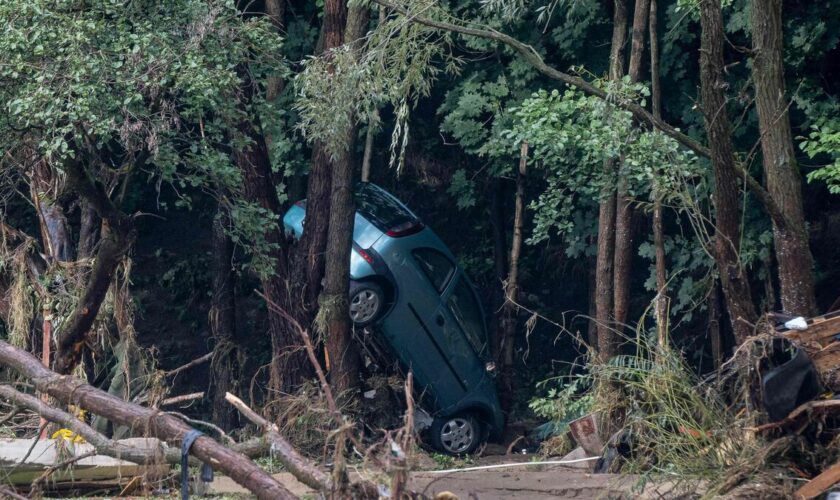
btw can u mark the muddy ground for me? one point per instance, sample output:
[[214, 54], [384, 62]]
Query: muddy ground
[[521, 482]]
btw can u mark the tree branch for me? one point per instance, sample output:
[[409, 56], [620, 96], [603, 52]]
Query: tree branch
[[102, 444], [307, 472], [639, 113], [118, 234], [152, 422]]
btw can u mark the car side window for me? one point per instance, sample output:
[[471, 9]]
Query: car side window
[[467, 312], [436, 266]]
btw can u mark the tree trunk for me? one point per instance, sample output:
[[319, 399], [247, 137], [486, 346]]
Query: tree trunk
[[69, 390], [793, 254], [661, 305], [624, 212], [319, 185], [342, 352], [289, 365], [715, 334], [342, 355], [276, 12], [592, 324], [736, 287], [500, 264], [88, 231], [509, 322], [118, 234], [226, 365], [604, 277]]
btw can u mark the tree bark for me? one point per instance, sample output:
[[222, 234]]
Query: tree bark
[[736, 288], [333, 302], [319, 184], [511, 308], [793, 253], [500, 263], [661, 305], [88, 231], [288, 365], [604, 274], [624, 212], [118, 234], [276, 12], [227, 355], [715, 334], [69, 390]]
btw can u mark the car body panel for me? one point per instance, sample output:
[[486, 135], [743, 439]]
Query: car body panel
[[422, 326]]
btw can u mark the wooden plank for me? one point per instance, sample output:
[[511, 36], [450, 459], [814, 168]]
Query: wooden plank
[[815, 487], [47, 453]]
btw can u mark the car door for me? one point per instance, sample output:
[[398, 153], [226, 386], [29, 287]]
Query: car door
[[428, 354], [462, 331]]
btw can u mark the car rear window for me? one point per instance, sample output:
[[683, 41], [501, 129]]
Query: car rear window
[[380, 209], [467, 312], [435, 265]]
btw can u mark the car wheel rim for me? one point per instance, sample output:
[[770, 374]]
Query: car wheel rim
[[364, 306], [457, 435]]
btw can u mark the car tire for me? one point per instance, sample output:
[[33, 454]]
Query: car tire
[[367, 301], [457, 435]]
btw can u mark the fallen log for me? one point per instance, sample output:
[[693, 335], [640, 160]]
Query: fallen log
[[149, 421], [102, 444]]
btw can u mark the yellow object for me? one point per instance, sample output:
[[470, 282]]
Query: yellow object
[[68, 435]]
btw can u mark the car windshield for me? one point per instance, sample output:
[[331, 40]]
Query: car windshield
[[380, 209], [467, 312]]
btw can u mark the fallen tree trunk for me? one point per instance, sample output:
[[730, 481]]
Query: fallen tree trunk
[[149, 421], [252, 448]]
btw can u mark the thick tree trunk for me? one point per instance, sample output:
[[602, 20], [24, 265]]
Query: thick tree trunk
[[226, 365], [319, 185], [118, 234], [604, 277], [793, 253], [736, 287], [342, 352], [69, 390], [288, 365], [509, 312]]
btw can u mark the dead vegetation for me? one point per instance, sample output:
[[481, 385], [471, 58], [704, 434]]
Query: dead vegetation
[[712, 433]]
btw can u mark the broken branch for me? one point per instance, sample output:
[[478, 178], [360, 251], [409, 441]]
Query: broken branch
[[70, 390], [207, 357], [304, 470]]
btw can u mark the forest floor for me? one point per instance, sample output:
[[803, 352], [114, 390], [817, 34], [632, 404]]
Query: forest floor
[[531, 482]]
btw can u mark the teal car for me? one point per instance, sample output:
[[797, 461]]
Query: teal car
[[407, 288]]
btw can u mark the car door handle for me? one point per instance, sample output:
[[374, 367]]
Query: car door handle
[[440, 320]]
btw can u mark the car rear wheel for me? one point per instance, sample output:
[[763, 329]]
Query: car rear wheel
[[458, 435], [367, 301]]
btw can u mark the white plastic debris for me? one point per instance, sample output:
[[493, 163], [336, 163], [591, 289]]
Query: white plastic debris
[[370, 394], [797, 324]]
